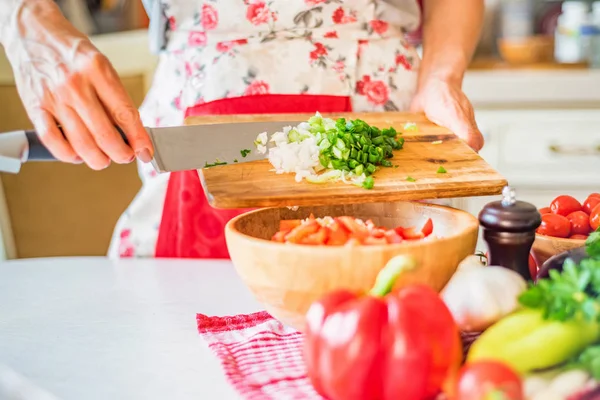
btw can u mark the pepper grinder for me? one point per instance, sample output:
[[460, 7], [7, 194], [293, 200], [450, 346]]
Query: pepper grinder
[[509, 229]]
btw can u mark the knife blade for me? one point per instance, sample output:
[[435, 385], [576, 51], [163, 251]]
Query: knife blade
[[176, 148]]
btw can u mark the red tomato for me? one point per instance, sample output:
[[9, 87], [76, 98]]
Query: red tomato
[[427, 229], [580, 223], [413, 233], [565, 205], [297, 234], [288, 225], [545, 210], [555, 225], [356, 229], [338, 236], [279, 237], [484, 380], [592, 201], [595, 217], [317, 238], [579, 237], [392, 237], [373, 240], [533, 267]]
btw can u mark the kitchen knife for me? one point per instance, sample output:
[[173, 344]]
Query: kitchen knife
[[176, 148]]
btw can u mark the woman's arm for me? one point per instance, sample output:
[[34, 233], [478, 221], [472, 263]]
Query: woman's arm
[[64, 80], [451, 32]]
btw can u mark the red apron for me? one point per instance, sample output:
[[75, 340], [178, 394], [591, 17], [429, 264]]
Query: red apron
[[190, 227]]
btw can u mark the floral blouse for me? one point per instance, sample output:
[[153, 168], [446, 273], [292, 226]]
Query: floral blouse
[[219, 49]]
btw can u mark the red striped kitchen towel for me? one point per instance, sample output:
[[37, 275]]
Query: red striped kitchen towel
[[262, 358]]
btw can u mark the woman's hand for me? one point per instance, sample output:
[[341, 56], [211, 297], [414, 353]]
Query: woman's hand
[[445, 104], [64, 80]]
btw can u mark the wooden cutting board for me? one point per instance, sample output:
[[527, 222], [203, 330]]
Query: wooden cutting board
[[254, 184]]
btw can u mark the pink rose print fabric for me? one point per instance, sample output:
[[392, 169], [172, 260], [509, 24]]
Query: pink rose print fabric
[[219, 49]]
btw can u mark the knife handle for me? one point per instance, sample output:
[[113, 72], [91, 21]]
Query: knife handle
[[39, 152]]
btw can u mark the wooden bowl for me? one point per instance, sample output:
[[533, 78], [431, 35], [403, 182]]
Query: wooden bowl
[[287, 278], [531, 50], [545, 247]]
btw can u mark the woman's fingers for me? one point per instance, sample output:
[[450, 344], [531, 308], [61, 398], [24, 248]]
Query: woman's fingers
[[80, 138], [52, 137], [102, 129], [121, 109]]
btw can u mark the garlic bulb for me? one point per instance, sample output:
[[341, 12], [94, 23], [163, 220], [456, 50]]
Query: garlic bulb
[[478, 295]]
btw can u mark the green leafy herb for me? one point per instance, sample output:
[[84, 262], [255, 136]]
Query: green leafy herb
[[441, 170], [245, 152], [573, 292], [410, 179], [235, 160]]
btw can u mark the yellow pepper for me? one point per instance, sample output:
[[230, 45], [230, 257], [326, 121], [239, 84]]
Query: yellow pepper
[[526, 341]]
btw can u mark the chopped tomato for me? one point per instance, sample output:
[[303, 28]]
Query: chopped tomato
[[413, 233], [427, 229], [392, 237], [300, 232], [345, 230], [287, 225], [355, 228], [373, 240], [338, 235], [279, 236], [409, 233], [317, 238]]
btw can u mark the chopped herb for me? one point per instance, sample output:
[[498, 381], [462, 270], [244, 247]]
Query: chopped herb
[[410, 179], [235, 160], [396, 166], [369, 182], [441, 170], [245, 152], [437, 142], [410, 126]]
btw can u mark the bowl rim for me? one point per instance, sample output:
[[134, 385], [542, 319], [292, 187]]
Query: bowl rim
[[546, 237], [407, 244]]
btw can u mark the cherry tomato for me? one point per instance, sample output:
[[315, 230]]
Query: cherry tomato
[[533, 267], [595, 218], [580, 223], [565, 205], [545, 210], [555, 225], [488, 380], [592, 201], [578, 237]]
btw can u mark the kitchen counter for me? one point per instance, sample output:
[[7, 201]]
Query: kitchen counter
[[94, 329]]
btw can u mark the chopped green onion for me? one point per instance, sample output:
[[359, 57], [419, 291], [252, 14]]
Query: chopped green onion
[[441, 170], [410, 179], [235, 160], [245, 152], [410, 126], [369, 182], [386, 163]]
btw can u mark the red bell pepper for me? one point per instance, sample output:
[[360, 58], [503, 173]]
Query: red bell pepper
[[404, 345]]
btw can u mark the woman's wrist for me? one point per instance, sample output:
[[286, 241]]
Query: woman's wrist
[[15, 16]]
